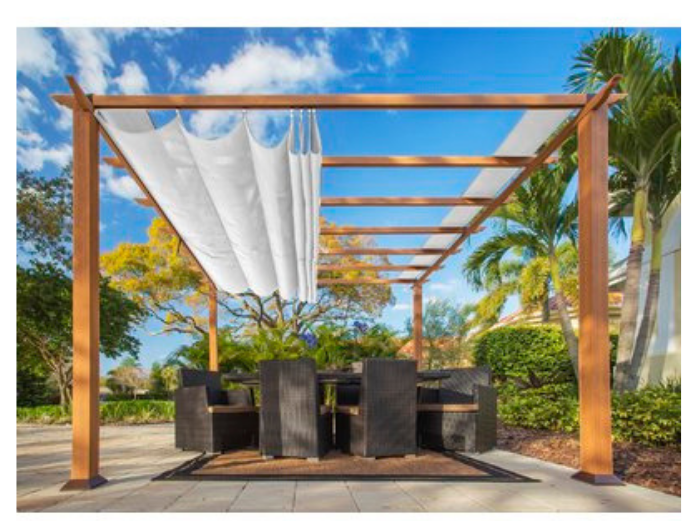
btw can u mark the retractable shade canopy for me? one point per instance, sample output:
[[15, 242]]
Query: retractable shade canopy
[[531, 131], [248, 213]]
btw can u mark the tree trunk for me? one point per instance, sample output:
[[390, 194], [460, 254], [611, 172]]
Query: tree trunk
[[631, 294], [564, 317], [650, 311], [545, 304], [64, 388]]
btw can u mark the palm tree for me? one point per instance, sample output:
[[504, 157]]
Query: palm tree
[[534, 229], [645, 151]]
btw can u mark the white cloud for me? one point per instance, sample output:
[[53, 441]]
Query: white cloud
[[119, 185], [36, 56], [64, 121], [390, 46], [401, 306], [444, 287], [174, 67], [27, 105], [28, 137], [34, 157], [262, 67], [132, 80], [91, 53]]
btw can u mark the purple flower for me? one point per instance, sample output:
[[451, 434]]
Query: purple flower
[[310, 339], [362, 327]]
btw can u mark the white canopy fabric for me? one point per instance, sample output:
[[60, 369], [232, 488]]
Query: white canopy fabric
[[249, 213], [533, 129]]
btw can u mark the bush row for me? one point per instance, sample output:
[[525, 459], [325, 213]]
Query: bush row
[[131, 412], [537, 388]]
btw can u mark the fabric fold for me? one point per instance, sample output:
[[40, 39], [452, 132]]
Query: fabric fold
[[249, 213]]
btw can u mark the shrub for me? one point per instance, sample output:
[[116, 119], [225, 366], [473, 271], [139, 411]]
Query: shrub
[[132, 412], [551, 407], [532, 356], [652, 415]]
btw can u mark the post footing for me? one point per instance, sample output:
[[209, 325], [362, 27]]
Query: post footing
[[84, 484], [603, 480]]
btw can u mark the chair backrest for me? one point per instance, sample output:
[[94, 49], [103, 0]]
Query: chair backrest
[[196, 377], [388, 396], [289, 405], [464, 380]]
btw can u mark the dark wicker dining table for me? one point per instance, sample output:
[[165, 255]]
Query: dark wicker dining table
[[334, 377]]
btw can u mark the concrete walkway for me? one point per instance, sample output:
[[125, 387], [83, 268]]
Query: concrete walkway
[[132, 455]]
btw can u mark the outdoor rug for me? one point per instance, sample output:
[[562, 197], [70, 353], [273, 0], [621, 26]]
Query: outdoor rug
[[248, 465]]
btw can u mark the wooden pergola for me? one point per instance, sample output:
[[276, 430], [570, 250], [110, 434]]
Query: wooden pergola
[[590, 122]]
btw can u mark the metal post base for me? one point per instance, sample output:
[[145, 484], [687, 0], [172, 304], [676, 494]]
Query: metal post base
[[609, 480], [84, 484]]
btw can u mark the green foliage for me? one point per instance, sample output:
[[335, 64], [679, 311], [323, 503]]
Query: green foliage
[[551, 407], [128, 412], [531, 356], [652, 415], [44, 321]]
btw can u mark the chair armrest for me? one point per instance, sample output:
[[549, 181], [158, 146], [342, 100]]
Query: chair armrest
[[447, 407], [351, 410], [232, 409]]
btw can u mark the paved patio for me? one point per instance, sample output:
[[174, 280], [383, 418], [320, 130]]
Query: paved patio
[[132, 455]]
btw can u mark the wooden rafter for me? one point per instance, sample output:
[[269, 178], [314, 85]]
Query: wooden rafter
[[406, 201], [356, 282], [428, 161], [392, 230], [594, 102], [383, 251], [337, 101], [370, 267], [409, 161]]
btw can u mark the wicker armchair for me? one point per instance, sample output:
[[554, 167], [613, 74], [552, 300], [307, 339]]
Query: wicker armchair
[[384, 422], [210, 419], [293, 422], [461, 414]]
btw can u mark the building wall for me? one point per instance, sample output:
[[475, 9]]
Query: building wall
[[664, 351]]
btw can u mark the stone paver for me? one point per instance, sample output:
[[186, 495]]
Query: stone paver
[[131, 456]]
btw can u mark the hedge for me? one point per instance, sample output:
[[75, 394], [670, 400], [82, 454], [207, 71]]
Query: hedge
[[531, 356], [130, 412], [651, 416]]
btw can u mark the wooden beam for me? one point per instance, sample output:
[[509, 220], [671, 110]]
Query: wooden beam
[[115, 162], [369, 267], [392, 230], [212, 318], [145, 201], [594, 346], [428, 161], [84, 472], [357, 282], [408, 161], [383, 251], [336, 101], [417, 323], [405, 201], [595, 101]]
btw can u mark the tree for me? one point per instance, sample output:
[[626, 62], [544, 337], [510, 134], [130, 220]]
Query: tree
[[44, 213], [128, 377], [645, 147], [44, 321], [445, 328], [161, 276], [533, 235]]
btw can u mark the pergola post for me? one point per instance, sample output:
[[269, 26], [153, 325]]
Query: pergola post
[[84, 472], [594, 348], [213, 344], [417, 322]]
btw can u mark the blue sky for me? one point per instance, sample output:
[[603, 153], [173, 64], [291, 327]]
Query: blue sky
[[302, 60]]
